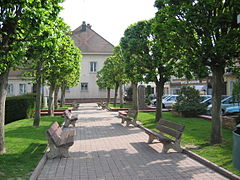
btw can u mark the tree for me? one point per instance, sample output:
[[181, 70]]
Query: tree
[[153, 55], [103, 80], [119, 72], [113, 75], [19, 21], [208, 34], [131, 44], [62, 64]]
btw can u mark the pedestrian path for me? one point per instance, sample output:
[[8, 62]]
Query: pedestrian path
[[104, 149]]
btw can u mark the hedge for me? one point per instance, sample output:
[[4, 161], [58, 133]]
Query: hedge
[[19, 107]]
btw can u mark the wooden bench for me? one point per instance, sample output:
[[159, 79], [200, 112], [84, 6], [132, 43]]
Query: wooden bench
[[75, 105], [129, 117], [103, 105], [170, 135], [69, 118], [59, 141]]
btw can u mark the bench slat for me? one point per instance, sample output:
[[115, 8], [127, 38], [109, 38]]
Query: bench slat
[[172, 125], [169, 131]]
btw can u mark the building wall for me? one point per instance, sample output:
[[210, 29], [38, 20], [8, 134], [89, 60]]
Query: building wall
[[90, 78], [14, 86]]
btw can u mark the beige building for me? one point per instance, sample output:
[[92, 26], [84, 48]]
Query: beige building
[[95, 50]]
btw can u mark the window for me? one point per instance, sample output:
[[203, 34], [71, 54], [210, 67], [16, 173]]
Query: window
[[93, 66], [84, 86], [22, 88], [10, 89]]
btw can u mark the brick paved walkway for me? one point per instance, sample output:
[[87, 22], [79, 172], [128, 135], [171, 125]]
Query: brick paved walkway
[[104, 149]]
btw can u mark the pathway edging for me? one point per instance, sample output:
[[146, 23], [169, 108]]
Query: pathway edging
[[211, 165], [39, 168]]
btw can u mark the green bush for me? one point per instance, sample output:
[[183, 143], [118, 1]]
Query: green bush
[[189, 103], [19, 107], [129, 94]]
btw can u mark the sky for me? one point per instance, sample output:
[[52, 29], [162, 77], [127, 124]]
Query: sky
[[109, 18]]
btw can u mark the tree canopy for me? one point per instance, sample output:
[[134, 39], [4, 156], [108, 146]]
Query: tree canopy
[[208, 36]]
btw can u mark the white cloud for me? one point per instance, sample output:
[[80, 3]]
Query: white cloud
[[109, 18]]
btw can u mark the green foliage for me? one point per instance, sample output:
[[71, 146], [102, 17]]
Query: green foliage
[[19, 107], [129, 96], [23, 22], [189, 102], [113, 71], [134, 48], [25, 146], [236, 92], [148, 90]]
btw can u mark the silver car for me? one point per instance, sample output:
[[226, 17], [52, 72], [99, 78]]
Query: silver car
[[168, 102], [227, 102]]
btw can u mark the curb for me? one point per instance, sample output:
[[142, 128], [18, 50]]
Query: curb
[[211, 165], [39, 167]]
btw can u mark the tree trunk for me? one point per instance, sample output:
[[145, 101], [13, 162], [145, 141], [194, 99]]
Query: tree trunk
[[42, 98], [159, 94], [135, 96], [37, 116], [56, 97], [121, 94], [63, 89], [108, 95], [115, 95], [217, 86], [51, 101], [3, 95]]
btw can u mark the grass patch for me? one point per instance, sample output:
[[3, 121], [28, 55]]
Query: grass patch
[[64, 107], [197, 133], [25, 146], [118, 105]]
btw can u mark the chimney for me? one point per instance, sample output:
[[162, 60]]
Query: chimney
[[83, 26], [89, 26]]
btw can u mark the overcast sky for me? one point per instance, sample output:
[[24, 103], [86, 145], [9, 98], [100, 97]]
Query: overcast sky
[[109, 18]]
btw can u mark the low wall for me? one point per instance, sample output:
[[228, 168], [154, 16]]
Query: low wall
[[87, 100]]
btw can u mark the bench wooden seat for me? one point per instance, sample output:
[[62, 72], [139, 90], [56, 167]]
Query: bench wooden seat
[[103, 105], [59, 141], [69, 118], [75, 106], [169, 134], [129, 117]]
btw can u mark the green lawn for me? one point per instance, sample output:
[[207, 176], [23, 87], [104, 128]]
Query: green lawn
[[25, 146], [197, 136], [64, 107], [124, 105]]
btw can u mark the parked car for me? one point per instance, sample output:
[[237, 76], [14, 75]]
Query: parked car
[[154, 101], [168, 102], [225, 103], [205, 97], [232, 110]]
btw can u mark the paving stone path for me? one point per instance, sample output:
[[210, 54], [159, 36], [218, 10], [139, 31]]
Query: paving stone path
[[104, 149]]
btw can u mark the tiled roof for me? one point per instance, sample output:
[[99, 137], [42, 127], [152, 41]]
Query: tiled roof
[[88, 41]]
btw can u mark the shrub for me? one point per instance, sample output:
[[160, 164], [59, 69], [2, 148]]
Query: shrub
[[189, 102], [19, 107], [128, 97]]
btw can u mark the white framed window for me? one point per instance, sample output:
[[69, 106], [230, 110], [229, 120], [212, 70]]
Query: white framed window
[[10, 89], [84, 86], [93, 66], [22, 88]]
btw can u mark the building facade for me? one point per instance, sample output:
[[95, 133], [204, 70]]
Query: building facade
[[95, 50]]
